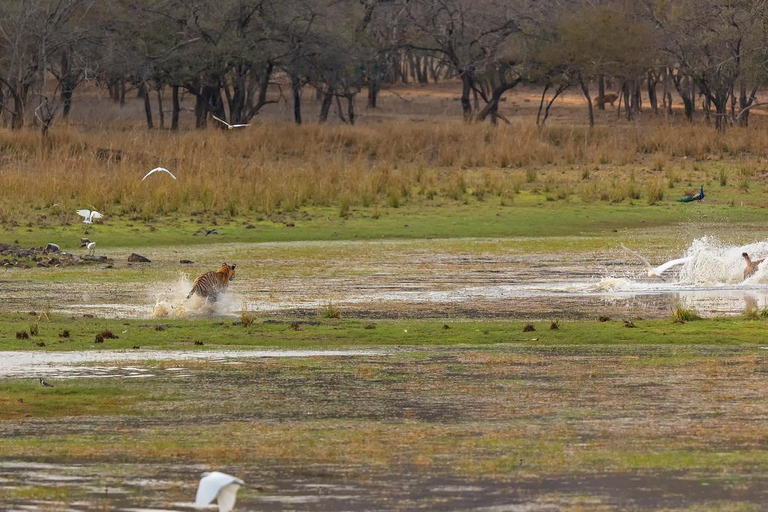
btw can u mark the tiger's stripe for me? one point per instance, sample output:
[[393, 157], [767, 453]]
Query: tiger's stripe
[[211, 284]]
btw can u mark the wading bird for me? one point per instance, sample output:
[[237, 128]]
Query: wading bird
[[220, 486], [163, 169], [657, 271], [45, 384], [91, 247], [230, 126]]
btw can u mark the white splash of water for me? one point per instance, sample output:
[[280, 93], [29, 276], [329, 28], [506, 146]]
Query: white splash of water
[[717, 264], [171, 302]]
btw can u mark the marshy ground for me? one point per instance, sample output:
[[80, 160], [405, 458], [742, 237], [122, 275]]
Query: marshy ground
[[503, 427], [390, 275]]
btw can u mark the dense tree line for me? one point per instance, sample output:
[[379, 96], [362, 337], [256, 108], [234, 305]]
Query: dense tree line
[[229, 54]]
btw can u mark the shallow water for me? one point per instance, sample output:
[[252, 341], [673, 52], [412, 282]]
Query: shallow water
[[434, 283], [63, 365]]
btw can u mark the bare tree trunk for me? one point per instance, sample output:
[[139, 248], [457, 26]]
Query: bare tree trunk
[[541, 103], [466, 105], [296, 90], [339, 110], [160, 106], [560, 89], [744, 103], [585, 91], [601, 92], [351, 108], [147, 107], [652, 81], [122, 91], [666, 94], [732, 94], [626, 92], [325, 107], [685, 90], [493, 105], [176, 108]]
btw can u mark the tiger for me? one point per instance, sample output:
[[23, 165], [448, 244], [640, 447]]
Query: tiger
[[211, 284]]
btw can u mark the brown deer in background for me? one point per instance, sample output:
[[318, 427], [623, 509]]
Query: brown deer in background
[[606, 98]]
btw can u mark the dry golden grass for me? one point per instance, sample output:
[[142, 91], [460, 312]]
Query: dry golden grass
[[283, 166]]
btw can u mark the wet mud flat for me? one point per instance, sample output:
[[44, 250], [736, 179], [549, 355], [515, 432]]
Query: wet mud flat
[[502, 428], [417, 284], [131, 488]]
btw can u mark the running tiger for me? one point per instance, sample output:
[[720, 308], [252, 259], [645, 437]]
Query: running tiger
[[211, 284]]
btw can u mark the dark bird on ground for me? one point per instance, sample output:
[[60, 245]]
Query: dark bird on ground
[[45, 384], [695, 197]]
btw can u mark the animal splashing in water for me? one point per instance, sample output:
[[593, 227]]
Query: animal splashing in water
[[211, 284], [752, 265]]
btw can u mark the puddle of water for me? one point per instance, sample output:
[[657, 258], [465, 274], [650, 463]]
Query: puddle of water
[[434, 283], [32, 364]]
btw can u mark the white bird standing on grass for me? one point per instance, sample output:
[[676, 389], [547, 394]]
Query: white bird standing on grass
[[220, 486], [230, 126], [163, 169], [91, 247], [657, 271]]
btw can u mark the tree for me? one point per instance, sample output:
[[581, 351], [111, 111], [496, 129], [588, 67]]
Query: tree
[[470, 37], [32, 35]]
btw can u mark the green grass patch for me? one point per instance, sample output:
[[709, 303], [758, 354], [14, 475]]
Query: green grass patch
[[324, 332]]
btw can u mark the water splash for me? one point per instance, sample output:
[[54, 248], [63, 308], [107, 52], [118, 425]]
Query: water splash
[[718, 264], [171, 302]]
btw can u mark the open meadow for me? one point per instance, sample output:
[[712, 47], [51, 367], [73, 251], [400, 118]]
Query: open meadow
[[426, 314]]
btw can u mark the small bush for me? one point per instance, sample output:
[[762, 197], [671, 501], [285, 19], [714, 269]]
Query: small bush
[[330, 311], [246, 317], [682, 315], [529, 328], [655, 193], [22, 335]]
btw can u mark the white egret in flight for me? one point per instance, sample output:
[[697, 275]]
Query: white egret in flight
[[219, 486], [230, 126], [657, 271], [163, 169]]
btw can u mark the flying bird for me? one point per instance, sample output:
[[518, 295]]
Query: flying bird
[[220, 486], [89, 215], [230, 126], [91, 247], [45, 384], [163, 169], [657, 271]]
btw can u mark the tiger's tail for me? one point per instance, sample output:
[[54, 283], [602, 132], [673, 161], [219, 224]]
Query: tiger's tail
[[191, 293]]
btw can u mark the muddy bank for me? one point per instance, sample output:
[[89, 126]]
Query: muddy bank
[[320, 488]]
